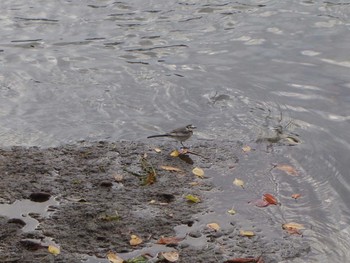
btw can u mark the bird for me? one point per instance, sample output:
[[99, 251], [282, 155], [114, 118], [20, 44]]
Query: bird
[[180, 134]]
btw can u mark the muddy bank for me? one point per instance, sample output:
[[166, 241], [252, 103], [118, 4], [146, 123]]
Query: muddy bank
[[102, 193]]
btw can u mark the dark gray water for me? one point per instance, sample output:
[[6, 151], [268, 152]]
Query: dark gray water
[[92, 70]]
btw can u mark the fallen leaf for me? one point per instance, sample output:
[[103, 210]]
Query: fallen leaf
[[231, 211], [194, 183], [238, 182], [157, 150], [246, 233], [171, 168], [169, 240], [246, 148], [193, 198], [171, 256], [198, 172], [260, 203], [214, 226], [296, 196], [118, 178], [113, 258], [293, 228], [53, 250], [270, 199], [288, 169], [135, 240], [175, 153]]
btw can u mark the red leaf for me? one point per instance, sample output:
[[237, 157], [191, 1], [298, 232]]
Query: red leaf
[[260, 203], [270, 199]]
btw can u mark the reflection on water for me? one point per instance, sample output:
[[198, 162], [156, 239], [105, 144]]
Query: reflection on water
[[121, 70]]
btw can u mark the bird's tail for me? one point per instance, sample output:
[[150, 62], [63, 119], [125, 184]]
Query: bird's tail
[[160, 135]]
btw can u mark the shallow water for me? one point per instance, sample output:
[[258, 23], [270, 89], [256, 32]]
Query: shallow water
[[97, 70]]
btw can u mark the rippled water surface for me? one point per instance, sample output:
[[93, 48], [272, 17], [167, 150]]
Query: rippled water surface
[[97, 70]]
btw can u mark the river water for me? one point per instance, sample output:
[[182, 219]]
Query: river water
[[115, 70]]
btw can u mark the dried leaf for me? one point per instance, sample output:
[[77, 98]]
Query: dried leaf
[[214, 226], [118, 178], [169, 240], [150, 179], [270, 199], [296, 196], [238, 182], [260, 203], [135, 240], [193, 198], [171, 256], [113, 258], [175, 153], [231, 211], [246, 148], [53, 250], [157, 150], [194, 183], [171, 168], [246, 233], [288, 169], [198, 172], [293, 228]]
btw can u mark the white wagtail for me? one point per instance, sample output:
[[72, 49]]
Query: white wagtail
[[181, 134]]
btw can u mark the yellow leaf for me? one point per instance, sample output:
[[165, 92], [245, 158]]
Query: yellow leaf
[[293, 225], [53, 250], [246, 233], [238, 182], [193, 198], [288, 169], [171, 256], [198, 172], [246, 148], [135, 240], [214, 226], [157, 150], [193, 183], [175, 153], [170, 168], [113, 258], [293, 228], [231, 211]]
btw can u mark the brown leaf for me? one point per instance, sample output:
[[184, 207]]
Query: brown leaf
[[169, 240], [135, 240], [170, 168], [296, 196], [293, 228], [113, 258], [171, 256], [270, 199], [288, 169], [214, 226]]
